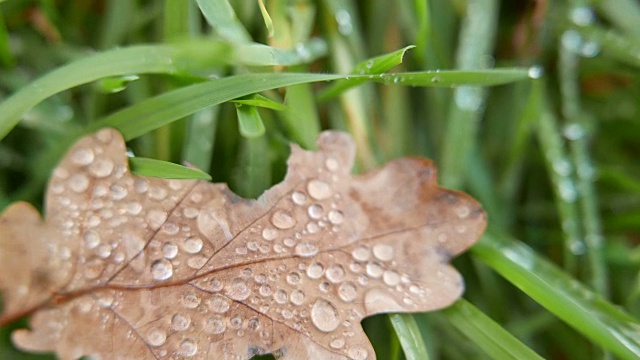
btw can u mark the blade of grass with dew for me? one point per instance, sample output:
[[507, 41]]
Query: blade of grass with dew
[[488, 335], [576, 134], [585, 311], [561, 175], [410, 337], [613, 44], [623, 13], [259, 101], [252, 173], [140, 59], [221, 16], [264, 55], [375, 65], [164, 169], [249, 121], [200, 139], [475, 43], [152, 113]]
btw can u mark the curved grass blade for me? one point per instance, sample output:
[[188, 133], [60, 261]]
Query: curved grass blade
[[260, 101], [133, 60], [492, 338], [155, 112], [581, 308], [410, 337], [264, 55], [375, 65], [249, 121], [221, 16], [164, 169]]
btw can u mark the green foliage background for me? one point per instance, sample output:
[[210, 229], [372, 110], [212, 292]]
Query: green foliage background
[[530, 106]]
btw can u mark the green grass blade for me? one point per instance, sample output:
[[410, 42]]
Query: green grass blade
[[200, 138], [133, 60], [375, 65], [221, 16], [410, 337], [582, 309], [263, 55], [249, 121], [166, 170], [259, 101], [153, 113], [492, 338], [467, 105]]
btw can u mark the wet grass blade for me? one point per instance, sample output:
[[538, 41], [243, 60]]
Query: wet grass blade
[[585, 311], [164, 169]]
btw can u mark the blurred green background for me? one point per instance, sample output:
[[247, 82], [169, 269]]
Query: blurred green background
[[538, 121]]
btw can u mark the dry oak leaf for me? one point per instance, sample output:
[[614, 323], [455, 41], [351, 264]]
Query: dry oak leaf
[[128, 267]]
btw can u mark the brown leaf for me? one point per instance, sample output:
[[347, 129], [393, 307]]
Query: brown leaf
[[127, 267]]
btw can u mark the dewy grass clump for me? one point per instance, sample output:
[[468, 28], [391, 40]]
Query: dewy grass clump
[[224, 87]]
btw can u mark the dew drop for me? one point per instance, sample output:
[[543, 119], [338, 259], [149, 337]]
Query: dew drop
[[280, 296], [358, 353], [156, 337], [260, 278], [324, 286], [269, 234], [289, 242], [331, 164], [336, 217], [91, 239], [335, 273], [306, 249], [361, 253], [297, 297], [383, 252], [253, 323], [337, 343], [134, 208], [193, 245], [282, 219], [187, 348], [161, 270], [315, 270], [93, 268], [319, 189], [118, 192], [462, 212], [238, 289], [190, 212], [197, 262], [347, 291], [391, 278], [157, 193], [315, 211], [169, 250], [293, 278], [265, 290], [83, 156], [215, 325], [298, 197], [215, 285], [101, 168], [180, 322], [312, 228], [324, 315], [374, 270], [79, 183], [190, 300], [218, 304], [104, 251]]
